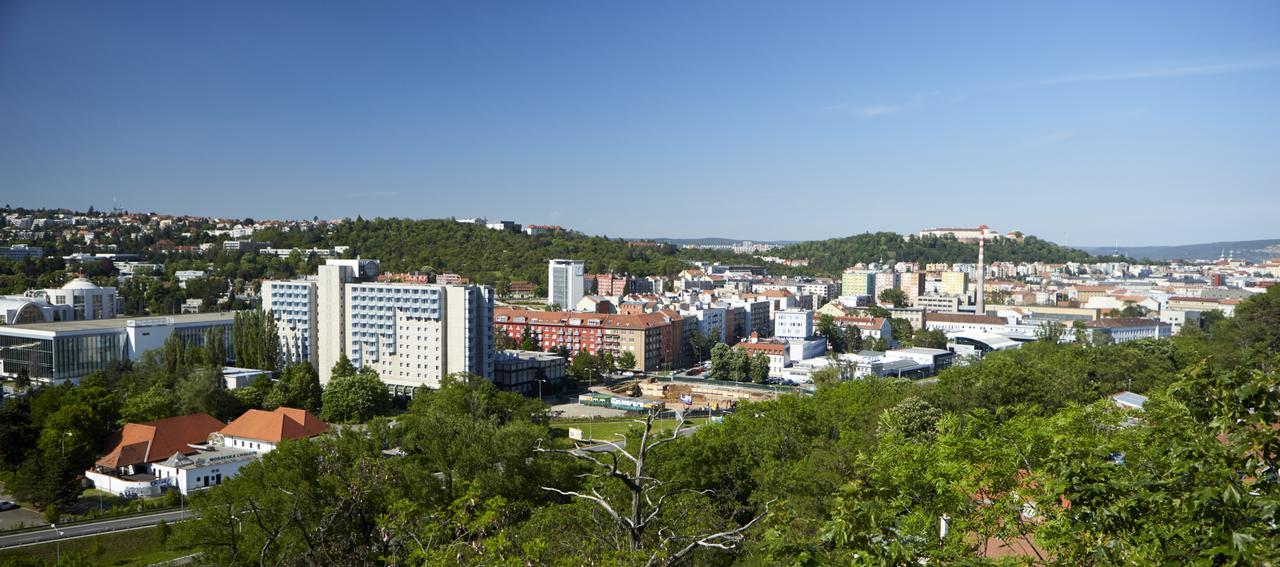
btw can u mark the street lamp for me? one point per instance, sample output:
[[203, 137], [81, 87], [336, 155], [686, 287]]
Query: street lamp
[[57, 542]]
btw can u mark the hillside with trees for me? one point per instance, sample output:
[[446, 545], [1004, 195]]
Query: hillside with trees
[[492, 256], [832, 256]]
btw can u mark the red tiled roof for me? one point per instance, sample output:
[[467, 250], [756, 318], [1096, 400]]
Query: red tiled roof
[[562, 318], [278, 425], [157, 440], [763, 347]]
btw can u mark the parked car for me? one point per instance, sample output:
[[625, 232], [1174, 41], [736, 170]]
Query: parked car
[[7, 505]]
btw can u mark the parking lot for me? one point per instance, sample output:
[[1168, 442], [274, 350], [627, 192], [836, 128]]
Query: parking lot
[[12, 518]]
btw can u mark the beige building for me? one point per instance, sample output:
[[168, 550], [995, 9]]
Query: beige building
[[955, 283]]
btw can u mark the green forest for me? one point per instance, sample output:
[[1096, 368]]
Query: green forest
[[1020, 452], [830, 257]]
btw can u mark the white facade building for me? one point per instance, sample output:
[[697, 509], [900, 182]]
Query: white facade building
[[793, 324], [566, 283]]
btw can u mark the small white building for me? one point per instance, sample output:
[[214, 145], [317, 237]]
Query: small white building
[[793, 324]]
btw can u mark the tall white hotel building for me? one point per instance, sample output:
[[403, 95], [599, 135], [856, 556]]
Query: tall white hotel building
[[411, 334]]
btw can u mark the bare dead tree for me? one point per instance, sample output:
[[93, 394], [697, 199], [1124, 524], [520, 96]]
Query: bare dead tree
[[648, 495]]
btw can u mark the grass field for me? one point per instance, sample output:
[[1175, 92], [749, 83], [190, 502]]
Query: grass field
[[135, 547]]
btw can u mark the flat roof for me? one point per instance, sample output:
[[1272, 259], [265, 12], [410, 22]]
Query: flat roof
[[121, 322]]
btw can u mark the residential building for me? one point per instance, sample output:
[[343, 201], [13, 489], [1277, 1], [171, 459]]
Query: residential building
[[955, 284], [657, 340], [869, 328], [939, 303], [793, 324], [565, 283], [611, 285], [778, 353], [521, 290], [295, 307], [885, 280], [912, 285], [858, 282], [414, 335]]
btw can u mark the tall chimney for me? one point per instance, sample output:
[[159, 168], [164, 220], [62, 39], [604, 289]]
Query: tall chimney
[[982, 270]]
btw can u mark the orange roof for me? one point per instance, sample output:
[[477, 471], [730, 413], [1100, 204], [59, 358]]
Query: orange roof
[[562, 318], [278, 425], [776, 293], [157, 440], [763, 347]]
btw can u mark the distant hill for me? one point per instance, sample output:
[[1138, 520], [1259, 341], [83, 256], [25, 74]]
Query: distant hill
[[1253, 250], [716, 241], [833, 255]]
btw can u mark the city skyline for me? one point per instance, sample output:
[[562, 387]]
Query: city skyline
[[1143, 124]]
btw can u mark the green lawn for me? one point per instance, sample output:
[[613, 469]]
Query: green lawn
[[608, 430], [136, 547]]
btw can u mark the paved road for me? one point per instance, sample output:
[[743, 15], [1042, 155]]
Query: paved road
[[83, 529]]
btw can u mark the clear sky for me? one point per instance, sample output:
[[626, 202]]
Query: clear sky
[[1089, 123]]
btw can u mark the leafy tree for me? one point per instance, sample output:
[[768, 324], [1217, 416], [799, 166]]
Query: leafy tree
[[893, 296], [912, 418], [585, 367], [154, 403], [852, 339], [215, 349], [202, 391], [527, 341], [18, 434], [902, 331], [698, 345], [627, 361], [720, 361], [343, 367], [929, 339], [298, 387], [255, 340], [638, 514], [759, 368], [355, 398], [836, 337]]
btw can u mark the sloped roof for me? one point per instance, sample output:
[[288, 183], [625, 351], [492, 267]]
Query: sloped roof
[[274, 426], [153, 441]]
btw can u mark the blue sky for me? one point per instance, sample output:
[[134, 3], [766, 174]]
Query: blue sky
[[1088, 123]]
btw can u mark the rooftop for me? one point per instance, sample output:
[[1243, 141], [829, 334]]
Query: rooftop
[[147, 442], [122, 322], [273, 426]]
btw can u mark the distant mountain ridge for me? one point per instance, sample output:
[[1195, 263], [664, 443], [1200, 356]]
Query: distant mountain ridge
[[717, 241], [1252, 250]]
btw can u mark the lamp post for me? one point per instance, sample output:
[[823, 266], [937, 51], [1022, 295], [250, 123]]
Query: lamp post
[[57, 543]]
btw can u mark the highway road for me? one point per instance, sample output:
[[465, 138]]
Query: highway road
[[84, 529]]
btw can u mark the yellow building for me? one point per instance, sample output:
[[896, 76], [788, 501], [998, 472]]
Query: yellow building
[[955, 283]]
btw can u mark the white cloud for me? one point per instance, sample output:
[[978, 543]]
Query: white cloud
[[1219, 68]]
